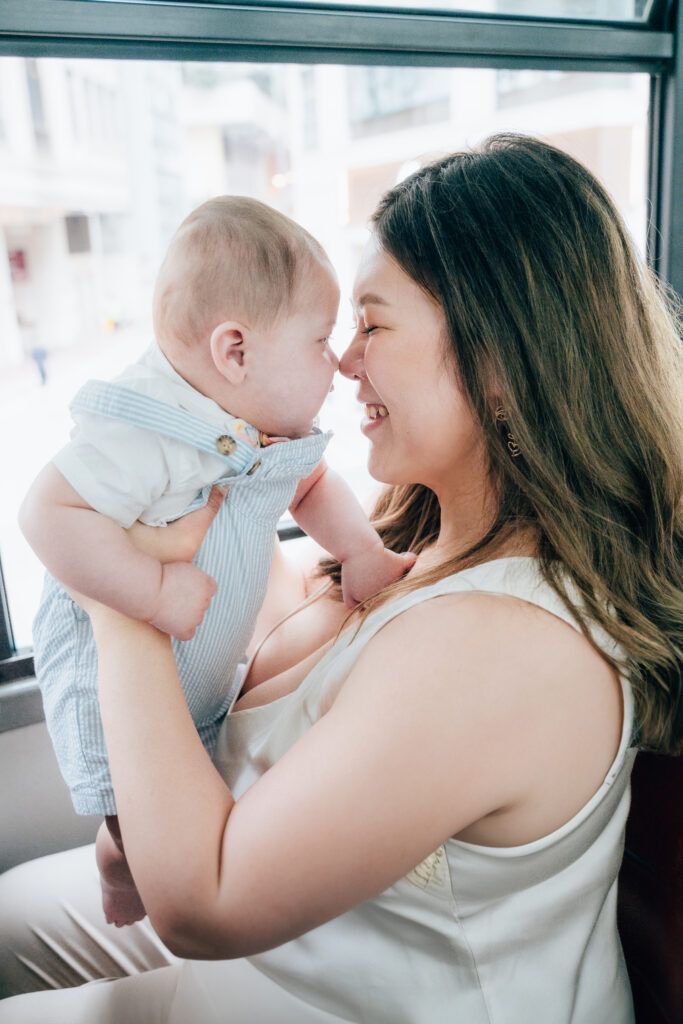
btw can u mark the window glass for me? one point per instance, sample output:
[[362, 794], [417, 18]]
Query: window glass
[[102, 159], [573, 10]]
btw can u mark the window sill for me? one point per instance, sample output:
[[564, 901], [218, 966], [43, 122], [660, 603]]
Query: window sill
[[20, 704]]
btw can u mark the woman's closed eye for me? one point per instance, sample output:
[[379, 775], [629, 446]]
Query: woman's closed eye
[[362, 326]]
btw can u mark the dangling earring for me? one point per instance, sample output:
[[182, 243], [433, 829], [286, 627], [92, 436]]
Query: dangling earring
[[513, 447]]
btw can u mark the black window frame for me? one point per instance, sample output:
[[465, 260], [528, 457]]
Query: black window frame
[[271, 31]]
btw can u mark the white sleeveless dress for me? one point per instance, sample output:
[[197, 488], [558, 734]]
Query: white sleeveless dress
[[474, 934]]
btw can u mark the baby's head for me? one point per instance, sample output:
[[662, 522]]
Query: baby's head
[[243, 305]]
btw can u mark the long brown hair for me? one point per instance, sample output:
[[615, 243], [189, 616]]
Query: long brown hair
[[543, 293]]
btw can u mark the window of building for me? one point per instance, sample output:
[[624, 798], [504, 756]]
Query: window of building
[[320, 141], [390, 99], [77, 233], [309, 104], [35, 96]]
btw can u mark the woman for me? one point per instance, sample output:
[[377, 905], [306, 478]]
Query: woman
[[425, 816]]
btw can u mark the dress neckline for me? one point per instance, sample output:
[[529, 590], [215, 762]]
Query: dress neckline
[[320, 592]]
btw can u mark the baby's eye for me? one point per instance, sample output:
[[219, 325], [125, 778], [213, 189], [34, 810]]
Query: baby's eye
[[369, 330]]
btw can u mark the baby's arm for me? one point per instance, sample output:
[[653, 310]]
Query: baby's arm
[[92, 554], [326, 508]]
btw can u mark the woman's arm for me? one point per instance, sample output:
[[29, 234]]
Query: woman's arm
[[423, 740], [172, 832]]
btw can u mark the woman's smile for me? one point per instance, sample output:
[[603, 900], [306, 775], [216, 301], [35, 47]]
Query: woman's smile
[[408, 398], [373, 418]]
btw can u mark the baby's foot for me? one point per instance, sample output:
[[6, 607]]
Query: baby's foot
[[121, 906]]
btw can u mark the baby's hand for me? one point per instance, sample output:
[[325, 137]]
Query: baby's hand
[[184, 597], [370, 570]]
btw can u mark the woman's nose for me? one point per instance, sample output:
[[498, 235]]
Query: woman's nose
[[351, 363]]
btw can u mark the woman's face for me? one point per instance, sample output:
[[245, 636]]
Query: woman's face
[[418, 422]]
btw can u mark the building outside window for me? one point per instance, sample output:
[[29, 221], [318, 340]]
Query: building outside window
[[35, 95], [102, 158]]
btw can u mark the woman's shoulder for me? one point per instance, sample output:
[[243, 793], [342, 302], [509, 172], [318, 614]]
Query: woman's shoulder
[[497, 610], [466, 624], [498, 675], [516, 642]]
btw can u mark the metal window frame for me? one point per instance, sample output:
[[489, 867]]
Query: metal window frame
[[291, 32], [270, 31]]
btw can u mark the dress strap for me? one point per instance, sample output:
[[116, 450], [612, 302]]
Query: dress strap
[[148, 413], [514, 576]]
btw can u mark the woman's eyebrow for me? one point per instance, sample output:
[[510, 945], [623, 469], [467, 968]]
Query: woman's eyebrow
[[372, 299]]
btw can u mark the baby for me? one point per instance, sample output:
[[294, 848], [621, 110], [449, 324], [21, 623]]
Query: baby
[[243, 307]]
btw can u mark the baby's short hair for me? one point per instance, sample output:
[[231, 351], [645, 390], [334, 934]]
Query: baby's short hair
[[231, 258]]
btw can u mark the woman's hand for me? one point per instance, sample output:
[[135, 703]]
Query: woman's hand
[[181, 540], [178, 542], [186, 590]]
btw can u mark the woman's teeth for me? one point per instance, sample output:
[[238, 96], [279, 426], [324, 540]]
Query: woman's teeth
[[373, 411]]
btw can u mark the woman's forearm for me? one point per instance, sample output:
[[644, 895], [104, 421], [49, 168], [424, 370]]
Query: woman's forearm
[[173, 806]]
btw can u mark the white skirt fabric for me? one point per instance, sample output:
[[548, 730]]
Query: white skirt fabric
[[56, 946]]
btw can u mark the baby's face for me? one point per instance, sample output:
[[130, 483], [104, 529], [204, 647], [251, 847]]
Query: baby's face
[[296, 365]]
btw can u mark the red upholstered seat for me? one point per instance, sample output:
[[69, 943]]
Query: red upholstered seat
[[651, 890]]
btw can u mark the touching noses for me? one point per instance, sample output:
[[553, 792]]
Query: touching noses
[[352, 362], [334, 359]]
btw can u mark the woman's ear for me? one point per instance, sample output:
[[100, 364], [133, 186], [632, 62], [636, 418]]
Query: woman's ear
[[228, 344]]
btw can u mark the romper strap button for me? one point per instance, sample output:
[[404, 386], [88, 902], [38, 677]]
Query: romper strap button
[[225, 444], [252, 469]]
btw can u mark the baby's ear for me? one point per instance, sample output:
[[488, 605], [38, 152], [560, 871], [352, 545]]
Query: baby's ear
[[228, 345]]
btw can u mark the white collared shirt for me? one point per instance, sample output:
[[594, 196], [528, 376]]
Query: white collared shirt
[[128, 473]]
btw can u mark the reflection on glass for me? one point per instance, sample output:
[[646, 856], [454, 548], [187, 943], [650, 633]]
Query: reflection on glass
[[102, 159], [571, 10]]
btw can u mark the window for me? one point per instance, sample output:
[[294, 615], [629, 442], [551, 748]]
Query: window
[[35, 95], [77, 233], [389, 99], [636, 11], [135, 143], [309, 108]]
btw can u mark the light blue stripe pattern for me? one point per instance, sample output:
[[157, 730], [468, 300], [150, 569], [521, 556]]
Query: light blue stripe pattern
[[121, 403], [237, 552]]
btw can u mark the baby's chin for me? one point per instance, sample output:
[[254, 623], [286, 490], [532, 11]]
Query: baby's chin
[[289, 431], [302, 429]]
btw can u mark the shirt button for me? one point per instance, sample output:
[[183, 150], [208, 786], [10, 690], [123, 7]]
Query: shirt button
[[226, 445], [252, 469]]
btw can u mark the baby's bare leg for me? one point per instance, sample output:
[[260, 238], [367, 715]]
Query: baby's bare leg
[[120, 898]]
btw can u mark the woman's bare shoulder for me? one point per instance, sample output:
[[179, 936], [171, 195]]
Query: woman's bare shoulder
[[512, 645], [476, 618], [517, 687]]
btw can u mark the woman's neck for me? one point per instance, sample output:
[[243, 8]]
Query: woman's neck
[[521, 542], [466, 517]]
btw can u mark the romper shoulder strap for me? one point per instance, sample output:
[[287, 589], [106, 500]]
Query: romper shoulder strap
[[117, 402]]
